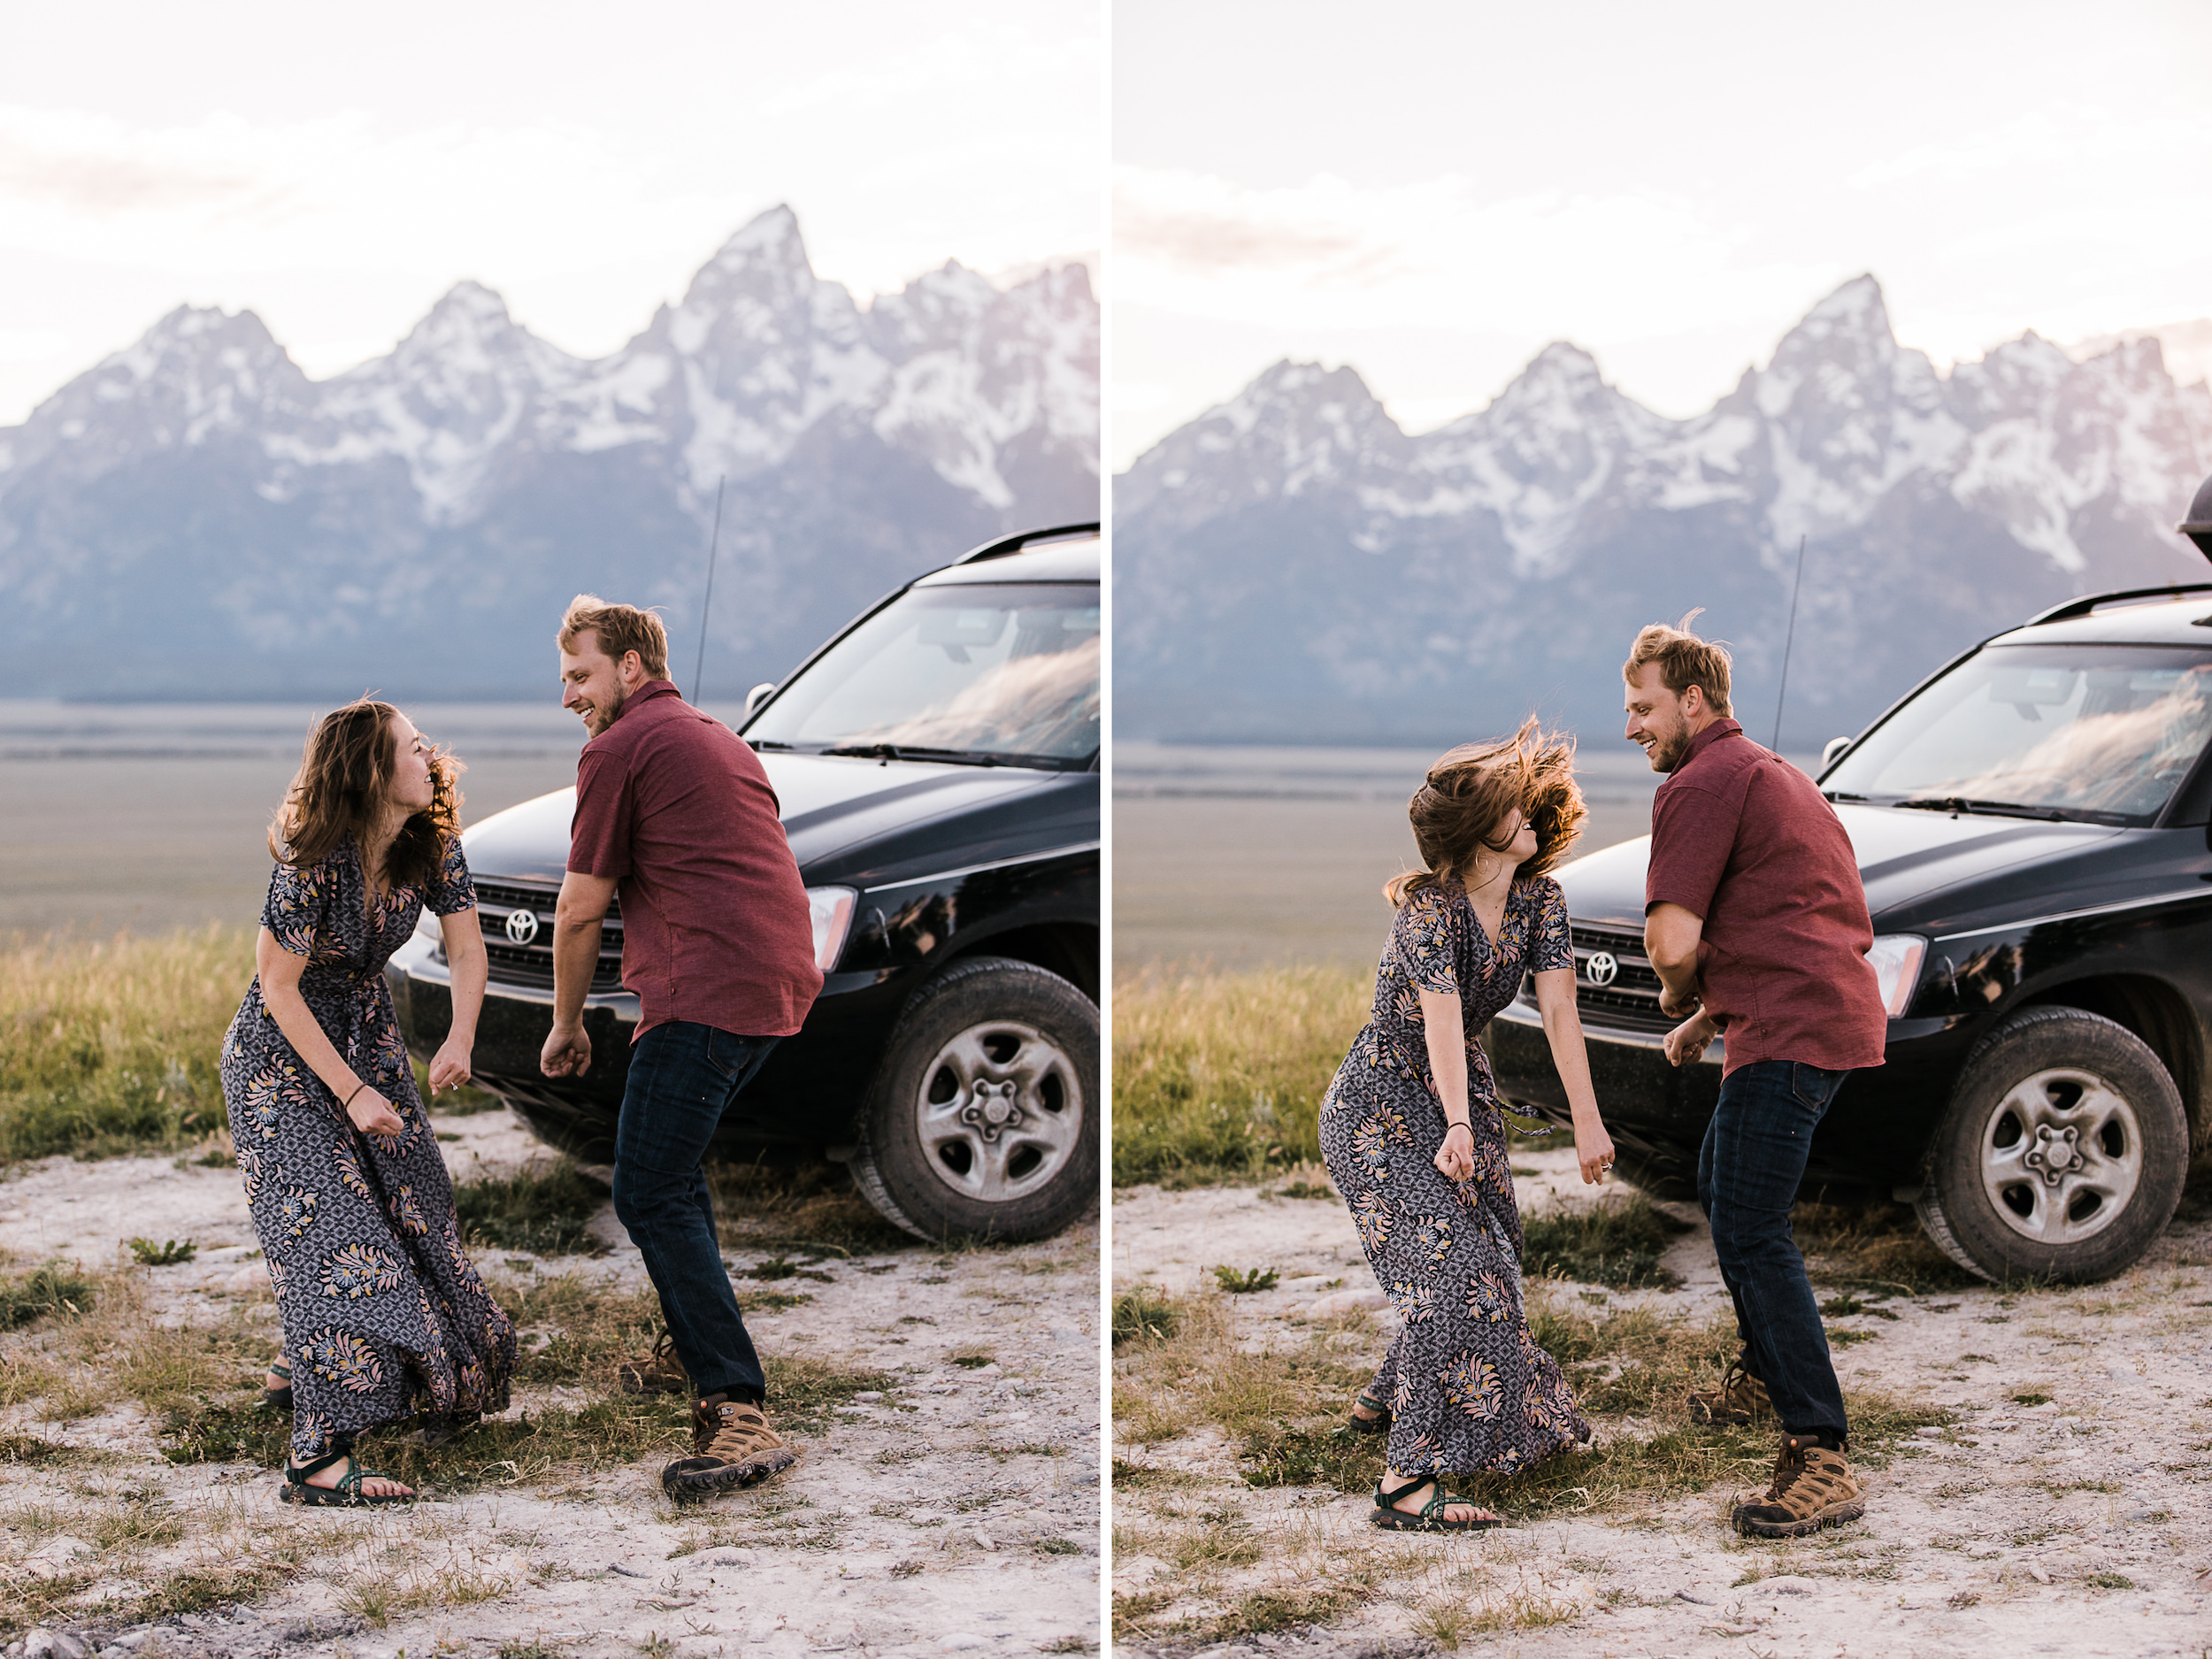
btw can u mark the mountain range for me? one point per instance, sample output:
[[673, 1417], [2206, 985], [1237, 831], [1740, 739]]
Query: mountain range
[[194, 516], [1293, 566]]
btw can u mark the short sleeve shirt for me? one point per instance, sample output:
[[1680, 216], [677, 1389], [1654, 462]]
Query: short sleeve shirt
[[679, 809], [1745, 842]]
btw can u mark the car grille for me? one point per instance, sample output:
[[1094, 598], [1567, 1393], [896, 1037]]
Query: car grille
[[532, 964], [1632, 999]]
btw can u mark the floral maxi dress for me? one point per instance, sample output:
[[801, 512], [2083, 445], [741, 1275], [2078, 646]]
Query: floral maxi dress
[[1467, 1388], [384, 1316]]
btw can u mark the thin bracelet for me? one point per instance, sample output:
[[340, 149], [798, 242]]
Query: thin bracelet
[[1451, 1124], [348, 1099]]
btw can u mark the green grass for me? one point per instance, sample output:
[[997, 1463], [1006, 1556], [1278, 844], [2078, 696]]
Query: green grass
[[541, 1209], [1616, 1244], [46, 1290], [1243, 1282], [1221, 1077], [112, 1047], [1142, 1311], [168, 1252]]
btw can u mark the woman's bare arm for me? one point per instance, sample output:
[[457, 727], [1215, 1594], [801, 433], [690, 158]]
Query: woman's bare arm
[[1446, 1041], [1563, 1029], [467, 972], [280, 971]]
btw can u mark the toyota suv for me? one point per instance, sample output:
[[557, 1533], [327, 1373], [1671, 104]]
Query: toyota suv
[[937, 766], [2032, 827]]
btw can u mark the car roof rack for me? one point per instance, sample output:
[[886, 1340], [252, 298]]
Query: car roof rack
[[2088, 603], [1022, 540]]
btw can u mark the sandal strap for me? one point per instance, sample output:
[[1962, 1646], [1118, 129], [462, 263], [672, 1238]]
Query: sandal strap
[[1389, 1500], [297, 1473]]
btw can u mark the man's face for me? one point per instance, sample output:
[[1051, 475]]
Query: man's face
[[1658, 718], [594, 685]]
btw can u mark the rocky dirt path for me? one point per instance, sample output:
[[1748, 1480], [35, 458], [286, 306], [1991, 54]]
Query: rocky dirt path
[[954, 1509], [2067, 1507]]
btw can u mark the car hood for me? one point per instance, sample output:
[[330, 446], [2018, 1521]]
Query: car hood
[[1921, 870], [836, 809]]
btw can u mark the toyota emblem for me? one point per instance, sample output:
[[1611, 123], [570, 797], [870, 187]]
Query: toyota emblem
[[1603, 967], [522, 927]]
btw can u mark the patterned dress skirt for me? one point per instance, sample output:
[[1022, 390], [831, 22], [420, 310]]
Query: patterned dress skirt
[[384, 1315], [1469, 1389]]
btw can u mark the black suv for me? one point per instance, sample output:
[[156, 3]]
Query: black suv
[[2032, 828], [937, 765]]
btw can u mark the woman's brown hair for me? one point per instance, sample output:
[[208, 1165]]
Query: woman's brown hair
[[344, 777], [1459, 810]]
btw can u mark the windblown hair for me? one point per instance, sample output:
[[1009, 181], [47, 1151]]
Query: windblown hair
[[621, 630], [1684, 659], [344, 777], [1460, 811]]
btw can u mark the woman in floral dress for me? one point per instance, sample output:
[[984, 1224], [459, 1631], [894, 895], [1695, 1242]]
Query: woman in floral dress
[[384, 1317], [1414, 1140]]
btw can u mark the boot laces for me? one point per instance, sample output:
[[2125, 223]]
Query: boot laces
[[742, 1430], [1787, 1467]]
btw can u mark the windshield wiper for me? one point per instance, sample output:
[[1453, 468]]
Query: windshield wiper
[[766, 743], [1843, 794], [866, 751], [1993, 809]]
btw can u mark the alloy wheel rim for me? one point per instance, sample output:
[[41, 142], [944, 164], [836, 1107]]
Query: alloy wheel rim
[[2062, 1153], [999, 1111]]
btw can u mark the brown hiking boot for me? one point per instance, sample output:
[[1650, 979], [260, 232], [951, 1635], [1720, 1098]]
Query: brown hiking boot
[[733, 1446], [1813, 1487], [1741, 1398], [659, 1372]]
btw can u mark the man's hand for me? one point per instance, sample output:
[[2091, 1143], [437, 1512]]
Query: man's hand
[[1677, 1005], [449, 1068], [1685, 1043], [567, 1052]]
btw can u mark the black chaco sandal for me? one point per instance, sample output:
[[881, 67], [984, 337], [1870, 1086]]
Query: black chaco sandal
[[1378, 1424], [278, 1398], [1429, 1516], [346, 1494]]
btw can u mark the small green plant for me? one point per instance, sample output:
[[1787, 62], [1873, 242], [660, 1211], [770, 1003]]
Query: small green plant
[[1143, 1311], [50, 1289], [780, 1267], [975, 1361], [1245, 1282], [2030, 1397], [1306, 1189], [1848, 1338], [168, 1252], [2109, 1580], [543, 1208]]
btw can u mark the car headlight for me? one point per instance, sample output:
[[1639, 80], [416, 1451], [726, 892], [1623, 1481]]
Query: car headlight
[[1896, 959], [830, 910]]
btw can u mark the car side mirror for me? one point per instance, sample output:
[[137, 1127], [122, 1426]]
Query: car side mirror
[[757, 696], [1830, 750]]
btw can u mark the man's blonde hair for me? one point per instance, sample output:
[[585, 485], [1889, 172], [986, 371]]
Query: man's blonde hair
[[621, 630], [1684, 659]]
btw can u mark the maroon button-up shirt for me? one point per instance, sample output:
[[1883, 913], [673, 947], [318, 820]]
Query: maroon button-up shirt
[[715, 929], [1743, 840]]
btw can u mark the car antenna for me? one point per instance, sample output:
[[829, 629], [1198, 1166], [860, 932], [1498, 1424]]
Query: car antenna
[[714, 539], [1788, 640]]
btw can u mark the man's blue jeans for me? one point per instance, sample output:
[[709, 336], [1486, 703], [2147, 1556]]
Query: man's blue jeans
[[681, 1076], [1747, 1172]]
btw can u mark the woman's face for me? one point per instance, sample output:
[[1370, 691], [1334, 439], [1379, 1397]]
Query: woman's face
[[1523, 844], [412, 786]]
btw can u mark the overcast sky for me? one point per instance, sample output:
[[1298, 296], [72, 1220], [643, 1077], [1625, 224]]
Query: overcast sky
[[337, 169], [1430, 192]]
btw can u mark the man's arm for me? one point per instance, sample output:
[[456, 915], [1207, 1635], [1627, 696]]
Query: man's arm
[[1671, 935], [577, 915]]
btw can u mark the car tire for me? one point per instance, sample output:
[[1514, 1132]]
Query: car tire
[[2062, 1154], [982, 1119]]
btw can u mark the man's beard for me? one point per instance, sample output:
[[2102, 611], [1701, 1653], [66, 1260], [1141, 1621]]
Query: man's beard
[[1667, 752], [603, 717]]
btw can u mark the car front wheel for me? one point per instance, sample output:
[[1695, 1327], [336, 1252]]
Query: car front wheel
[[982, 1119], [2062, 1154]]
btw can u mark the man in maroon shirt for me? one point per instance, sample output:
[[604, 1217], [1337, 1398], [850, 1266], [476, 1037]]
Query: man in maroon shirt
[[1755, 921], [716, 941]]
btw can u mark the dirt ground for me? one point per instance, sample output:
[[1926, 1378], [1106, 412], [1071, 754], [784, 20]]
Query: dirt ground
[[2064, 1506], [955, 1509]]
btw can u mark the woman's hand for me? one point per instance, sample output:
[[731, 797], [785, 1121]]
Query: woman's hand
[[1685, 1043], [373, 1115], [1455, 1158], [449, 1068], [1593, 1149]]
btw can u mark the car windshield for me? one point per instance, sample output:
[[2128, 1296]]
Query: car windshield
[[991, 674], [2104, 733]]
